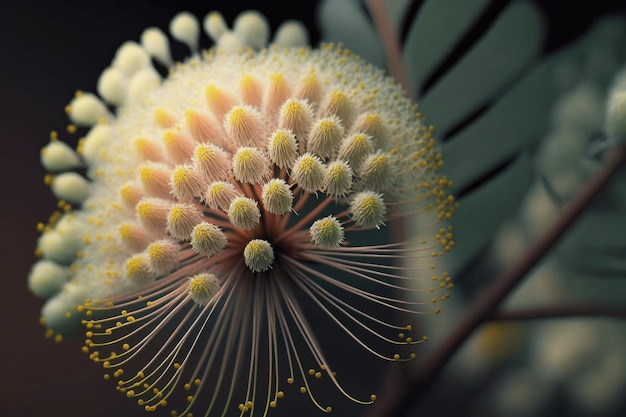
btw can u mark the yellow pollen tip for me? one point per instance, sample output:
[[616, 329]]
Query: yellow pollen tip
[[237, 117]]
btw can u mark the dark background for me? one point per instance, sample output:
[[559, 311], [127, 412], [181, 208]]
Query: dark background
[[47, 51]]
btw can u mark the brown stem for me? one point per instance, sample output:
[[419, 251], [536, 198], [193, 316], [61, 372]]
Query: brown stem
[[559, 311], [414, 388], [397, 69]]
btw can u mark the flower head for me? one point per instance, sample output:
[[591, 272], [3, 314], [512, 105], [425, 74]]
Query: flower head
[[221, 196]]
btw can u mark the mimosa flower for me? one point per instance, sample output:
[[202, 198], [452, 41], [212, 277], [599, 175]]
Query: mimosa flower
[[217, 201]]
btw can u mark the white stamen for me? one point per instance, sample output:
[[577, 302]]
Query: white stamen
[[202, 288], [207, 239], [258, 255], [277, 197]]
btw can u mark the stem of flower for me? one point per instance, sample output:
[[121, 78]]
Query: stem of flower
[[397, 69], [410, 391], [559, 311]]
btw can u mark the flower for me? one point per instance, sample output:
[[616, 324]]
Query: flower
[[218, 201]]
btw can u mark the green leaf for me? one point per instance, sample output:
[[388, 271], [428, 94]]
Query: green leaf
[[345, 21], [437, 28], [481, 212], [497, 59]]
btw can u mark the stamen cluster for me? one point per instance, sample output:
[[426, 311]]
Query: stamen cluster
[[217, 194]]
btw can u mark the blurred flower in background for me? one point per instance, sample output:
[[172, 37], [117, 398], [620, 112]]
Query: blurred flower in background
[[523, 129]]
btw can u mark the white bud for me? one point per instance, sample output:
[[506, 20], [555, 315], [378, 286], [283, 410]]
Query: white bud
[[295, 115], [71, 187], [244, 124], [72, 231], [55, 310], [185, 28], [253, 29], [113, 85], [155, 43], [46, 278], [59, 156], [87, 110], [229, 42], [53, 247], [337, 103], [130, 58], [291, 33], [96, 140], [143, 81], [214, 25]]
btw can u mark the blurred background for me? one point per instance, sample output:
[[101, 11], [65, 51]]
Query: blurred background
[[565, 367]]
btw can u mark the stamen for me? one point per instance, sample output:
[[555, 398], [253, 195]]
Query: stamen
[[202, 288], [327, 232], [155, 179], [258, 255], [207, 239], [309, 172], [245, 126], [326, 136], [219, 194], [368, 209], [282, 148], [295, 115], [212, 161], [179, 147], [355, 149], [138, 271], [163, 256], [181, 220], [244, 213], [187, 183], [338, 179], [250, 165]]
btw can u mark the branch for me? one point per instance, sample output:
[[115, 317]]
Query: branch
[[414, 388], [397, 69], [559, 311]]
